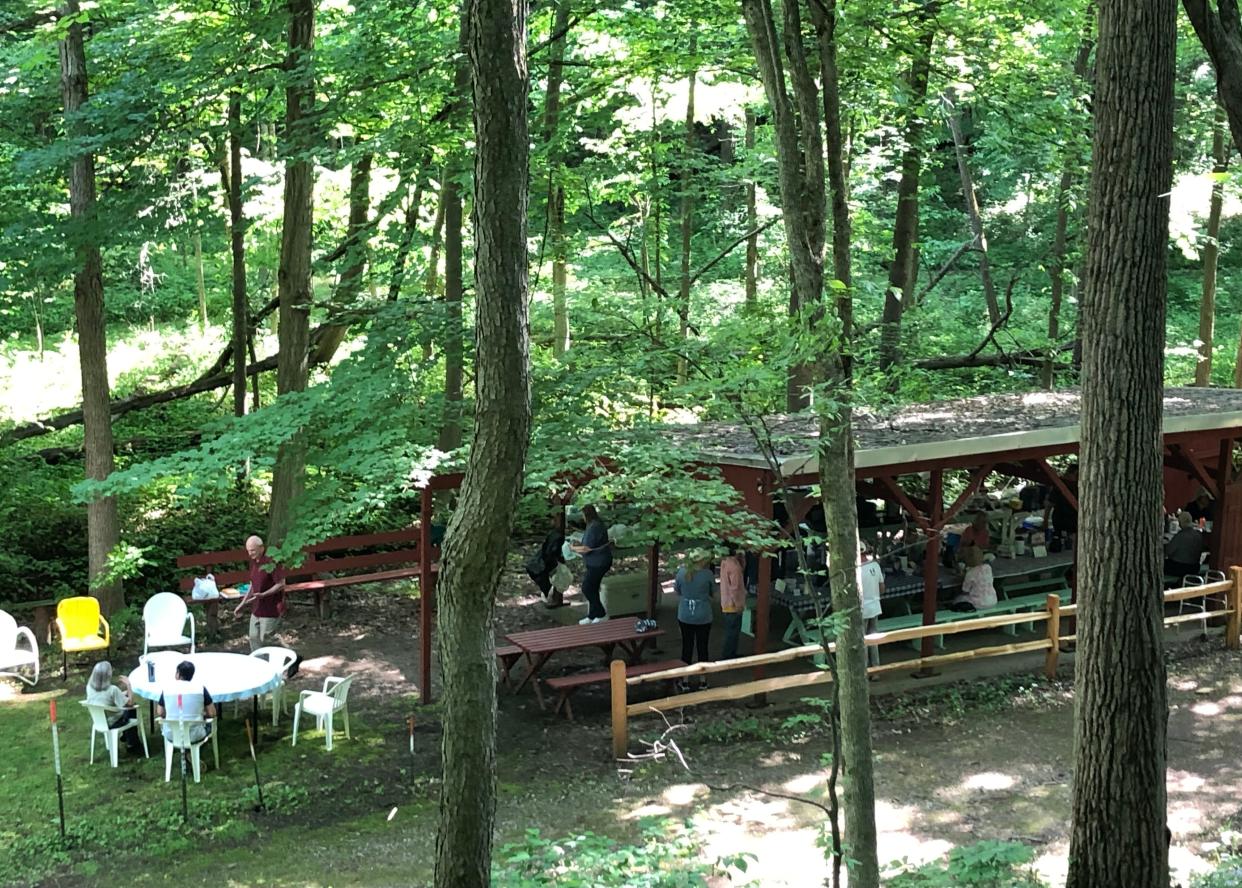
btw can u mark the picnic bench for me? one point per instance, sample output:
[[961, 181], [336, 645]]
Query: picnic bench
[[538, 645], [357, 556], [566, 685]]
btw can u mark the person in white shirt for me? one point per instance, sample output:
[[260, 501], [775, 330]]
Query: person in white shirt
[[100, 690], [870, 578], [978, 592], [185, 699]]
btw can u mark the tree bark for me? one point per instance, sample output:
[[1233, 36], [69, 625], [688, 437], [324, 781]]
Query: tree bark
[[102, 519], [687, 219], [1211, 251], [355, 255], [295, 257], [1220, 31], [408, 229], [200, 285], [477, 538], [825, 19], [752, 221], [451, 333], [556, 189], [905, 223], [237, 247], [1119, 799], [953, 117]]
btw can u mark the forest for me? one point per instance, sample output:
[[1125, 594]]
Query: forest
[[269, 266]]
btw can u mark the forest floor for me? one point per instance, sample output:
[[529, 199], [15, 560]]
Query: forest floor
[[962, 760]]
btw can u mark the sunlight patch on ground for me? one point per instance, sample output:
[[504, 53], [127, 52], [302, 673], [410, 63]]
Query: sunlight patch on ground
[[989, 780], [1206, 707], [680, 794], [804, 784]]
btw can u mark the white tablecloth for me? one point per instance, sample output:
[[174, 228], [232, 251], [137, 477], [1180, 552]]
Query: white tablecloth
[[225, 676]]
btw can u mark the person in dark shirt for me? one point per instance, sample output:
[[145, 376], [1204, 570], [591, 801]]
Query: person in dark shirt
[[540, 565], [596, 552], [1182, 554], [266, 595], [1063, 514], [1201, 507]]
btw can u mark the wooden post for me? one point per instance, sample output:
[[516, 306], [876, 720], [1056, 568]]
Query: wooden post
[[1054, 636], [424, 598], [1234, 621], [620, 716], [653, 578], [931, 559]]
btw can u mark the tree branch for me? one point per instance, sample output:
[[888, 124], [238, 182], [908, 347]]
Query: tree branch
[[731, 247]]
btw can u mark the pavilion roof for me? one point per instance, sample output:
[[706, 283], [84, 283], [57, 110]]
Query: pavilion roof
[[953, 433]]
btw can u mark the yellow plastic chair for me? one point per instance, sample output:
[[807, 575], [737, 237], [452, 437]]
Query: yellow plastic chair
[[79, 623]]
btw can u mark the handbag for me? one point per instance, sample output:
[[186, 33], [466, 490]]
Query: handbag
[[562, 577], [204, 588]]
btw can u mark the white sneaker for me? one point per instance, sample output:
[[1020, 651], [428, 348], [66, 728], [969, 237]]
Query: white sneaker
[[600, 620], [585, 621]]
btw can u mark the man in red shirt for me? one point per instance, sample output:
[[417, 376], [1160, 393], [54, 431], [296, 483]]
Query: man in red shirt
[[266, 595]]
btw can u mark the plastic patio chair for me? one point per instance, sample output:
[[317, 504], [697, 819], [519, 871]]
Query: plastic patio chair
[[323, 705], [11, 656], [281, 658], [1201, 604], [180, 730], [100, 715], [79, 622], [164, 619]]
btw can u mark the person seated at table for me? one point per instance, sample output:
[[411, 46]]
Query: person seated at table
[[186, 699], [1182, 553], [977, 534], [695, 584], [1201, 507], [978, 591], [541, 565], [101, 691]]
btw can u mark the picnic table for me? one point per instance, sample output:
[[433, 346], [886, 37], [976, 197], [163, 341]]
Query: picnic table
[[227, 677], [538, 645]]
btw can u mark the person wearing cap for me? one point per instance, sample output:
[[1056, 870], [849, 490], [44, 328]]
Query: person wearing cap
[[1201, 508], [1182, 554]]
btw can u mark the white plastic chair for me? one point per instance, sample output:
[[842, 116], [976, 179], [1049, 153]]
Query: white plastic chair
[[1200, 604], [11, 656], [323, 705], [100, 715], [281, 659], [180, 730], [164, 618]]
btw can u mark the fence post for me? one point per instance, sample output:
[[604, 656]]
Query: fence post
[[1234, 621], [1054, 636], [620, 725]]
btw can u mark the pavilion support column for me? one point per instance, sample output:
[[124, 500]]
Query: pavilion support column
[[931, 561], [763, 600], [1223, 525], [425, 596]]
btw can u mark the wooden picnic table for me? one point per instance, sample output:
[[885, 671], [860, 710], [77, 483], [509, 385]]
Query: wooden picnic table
[[538, 645]]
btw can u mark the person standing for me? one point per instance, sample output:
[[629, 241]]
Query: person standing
[[694, 584], [266, 597], [732, 601], [541, 565], [1064, 516], [870, 579], [596, 552]]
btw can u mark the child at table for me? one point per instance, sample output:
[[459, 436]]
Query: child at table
[[978, 592], [101, 691]]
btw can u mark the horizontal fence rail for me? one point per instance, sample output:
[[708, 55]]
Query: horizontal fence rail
[[1229, 607]]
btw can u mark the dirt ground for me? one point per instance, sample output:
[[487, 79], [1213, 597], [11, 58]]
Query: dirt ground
[[954, 765]]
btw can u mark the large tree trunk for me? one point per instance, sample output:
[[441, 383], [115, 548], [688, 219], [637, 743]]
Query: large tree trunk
[[451, 332], [953, 117], [1211, 252], [295, 256], [687, 222], [905, 223], [477, 539], [556, 189], [355, 255], [825, 19], [1119, 800], [102, 521], [752, 221], [237, 246]]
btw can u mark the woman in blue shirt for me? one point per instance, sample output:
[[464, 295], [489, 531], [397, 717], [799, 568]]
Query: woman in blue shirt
[[596, 552], [695, 584]]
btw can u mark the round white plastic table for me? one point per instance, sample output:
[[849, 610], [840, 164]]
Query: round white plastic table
[[225, 676]]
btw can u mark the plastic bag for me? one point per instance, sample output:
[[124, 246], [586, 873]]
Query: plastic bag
[[562, 577], [204, 588]]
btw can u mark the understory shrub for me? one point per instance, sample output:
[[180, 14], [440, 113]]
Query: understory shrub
[[988, 864]]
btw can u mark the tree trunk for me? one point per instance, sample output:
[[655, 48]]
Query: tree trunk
[[556, 189], [953, 117], [102, 520], [355, 255], [200, 283], [1211, 252], [477, 539], [1119, 799], [905, 223], [451, 333], [687, 222], [824, 18], [295, 256], [752, 221], [237, 246], [1220, 31], [409, 228]]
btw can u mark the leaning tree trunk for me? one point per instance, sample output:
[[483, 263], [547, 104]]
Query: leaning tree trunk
[[102, 521], [237, 246], [478, 533], [686, 223], [1119, 797], [905, 223], [295, 256], [953, 117], [752, 221], [451, 330], [349, 287], [556, 188], [1211, 252]]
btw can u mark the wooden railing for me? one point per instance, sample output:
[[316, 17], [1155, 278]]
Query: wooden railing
[[1051, 615]]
